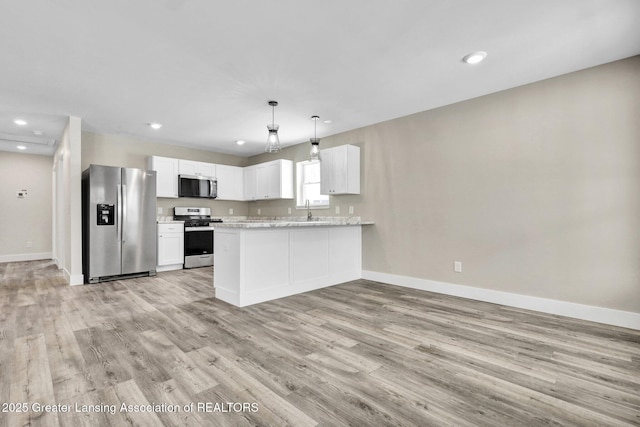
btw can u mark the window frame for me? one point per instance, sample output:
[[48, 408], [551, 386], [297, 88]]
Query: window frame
[[300, 203]]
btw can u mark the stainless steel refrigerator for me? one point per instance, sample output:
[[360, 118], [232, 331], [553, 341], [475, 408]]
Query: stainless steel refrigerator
[[118, 223]]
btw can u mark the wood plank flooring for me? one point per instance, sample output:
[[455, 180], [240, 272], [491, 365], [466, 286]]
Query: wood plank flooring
[[361, 354]]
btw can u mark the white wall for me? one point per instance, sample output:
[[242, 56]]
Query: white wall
[[535, 189], [68, 202], [27, 219]]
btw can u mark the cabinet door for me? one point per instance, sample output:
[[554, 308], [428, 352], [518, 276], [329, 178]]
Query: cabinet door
[[166, 176], [326, 171], [339, 165], [250, 180], [340, 170], [230, 182], [206, 169], [273, 180], [263, 180], [170, 248], [190, 167], [187, 167]]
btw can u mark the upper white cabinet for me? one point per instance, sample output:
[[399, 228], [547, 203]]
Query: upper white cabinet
[[271, 180], [230, 182], [190, 167], [166, 176], [340, 170], [250, 179]]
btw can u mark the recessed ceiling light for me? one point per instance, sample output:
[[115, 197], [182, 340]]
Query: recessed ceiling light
[[475, 57], [21, 147], [155, 126], [240, 141], [37, 132], [20, 122], [326, 122]]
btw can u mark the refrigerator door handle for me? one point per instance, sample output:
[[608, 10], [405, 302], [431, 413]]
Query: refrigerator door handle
[[123, 215], [119, 216]]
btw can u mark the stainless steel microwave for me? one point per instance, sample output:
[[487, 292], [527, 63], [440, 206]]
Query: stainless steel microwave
[[197, 186]]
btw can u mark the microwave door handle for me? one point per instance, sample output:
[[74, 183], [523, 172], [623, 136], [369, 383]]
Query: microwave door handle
[[211, 188]]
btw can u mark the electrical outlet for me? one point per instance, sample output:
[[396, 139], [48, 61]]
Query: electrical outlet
[[159, 211], [230, 211], [259, 211], [289, 211], [29, 244], [350, 210], [337, 209], [457, 266]]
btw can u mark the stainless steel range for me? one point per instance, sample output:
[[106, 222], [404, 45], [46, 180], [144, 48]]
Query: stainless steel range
[[198, 235]]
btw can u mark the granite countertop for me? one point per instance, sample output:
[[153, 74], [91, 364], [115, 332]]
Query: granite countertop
[[281, 222], [169, 221]]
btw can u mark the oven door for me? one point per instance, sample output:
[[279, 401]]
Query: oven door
[[198, 247], [198, 241]]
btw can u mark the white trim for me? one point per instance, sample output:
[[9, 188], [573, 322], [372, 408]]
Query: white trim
[[172, 267], [25, 257], [625, 319], [73, 280]]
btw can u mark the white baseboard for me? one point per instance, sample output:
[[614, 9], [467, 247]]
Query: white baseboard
[[73, 279], [26, 257], [162, 268], [626, 319]]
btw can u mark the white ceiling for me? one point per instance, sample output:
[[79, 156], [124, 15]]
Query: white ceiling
[[206, 69]]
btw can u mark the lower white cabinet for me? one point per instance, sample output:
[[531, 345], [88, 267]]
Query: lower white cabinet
[[254, 265], [170, 246]]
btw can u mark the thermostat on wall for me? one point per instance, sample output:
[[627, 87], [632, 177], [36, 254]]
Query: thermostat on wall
[[22, 194]]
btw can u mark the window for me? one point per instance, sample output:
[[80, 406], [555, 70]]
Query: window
[[308, 186]]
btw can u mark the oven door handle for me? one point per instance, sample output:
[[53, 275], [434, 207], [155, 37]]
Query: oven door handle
[[191, 229]]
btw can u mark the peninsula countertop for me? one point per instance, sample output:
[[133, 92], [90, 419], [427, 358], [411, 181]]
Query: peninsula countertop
[[282, 222]]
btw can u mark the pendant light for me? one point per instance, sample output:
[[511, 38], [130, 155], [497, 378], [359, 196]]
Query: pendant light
[[314, 155], [273, 142]]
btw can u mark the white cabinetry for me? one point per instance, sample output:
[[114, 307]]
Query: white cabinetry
[[271, 180], [190, 167], [340, 170], [170, 246], [166, 175], [249, 173], [230, 182], [299, 260]]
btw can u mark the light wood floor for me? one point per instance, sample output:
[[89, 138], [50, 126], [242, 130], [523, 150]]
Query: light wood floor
[[361, 353]]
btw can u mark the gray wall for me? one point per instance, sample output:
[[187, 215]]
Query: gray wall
[[535, 189], [118, 150], [29, 218]]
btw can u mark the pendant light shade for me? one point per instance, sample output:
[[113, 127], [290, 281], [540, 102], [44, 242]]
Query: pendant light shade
[[273, 142], [314, 155]]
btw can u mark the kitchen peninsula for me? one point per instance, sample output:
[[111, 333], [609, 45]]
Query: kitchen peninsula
[[261, 260]]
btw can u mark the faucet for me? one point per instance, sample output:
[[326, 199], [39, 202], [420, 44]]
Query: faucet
[[309, 215]]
